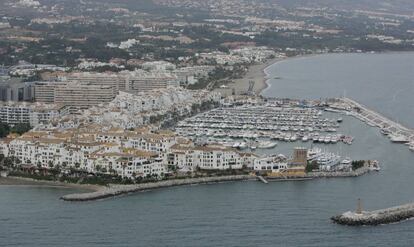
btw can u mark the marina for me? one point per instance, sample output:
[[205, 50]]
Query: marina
[[262, 125]]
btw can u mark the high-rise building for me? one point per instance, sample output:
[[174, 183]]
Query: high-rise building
[[142, 81], [78, 96], [45, 91], [115, 81]]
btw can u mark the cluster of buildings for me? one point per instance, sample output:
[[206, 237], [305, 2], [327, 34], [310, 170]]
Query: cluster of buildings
[[126, 99], [127, 153], [140, 152], [129, 110], [243, 55]]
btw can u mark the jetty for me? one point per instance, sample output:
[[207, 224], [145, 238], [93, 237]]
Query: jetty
[[377, 217]]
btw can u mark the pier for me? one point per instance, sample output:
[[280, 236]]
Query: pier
[[377, 217]]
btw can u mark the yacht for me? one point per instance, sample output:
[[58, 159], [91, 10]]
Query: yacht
[[267, 144], [398, 138], [243, 145]]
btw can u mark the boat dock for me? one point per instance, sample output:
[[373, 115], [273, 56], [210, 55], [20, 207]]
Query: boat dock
[[377, 217]]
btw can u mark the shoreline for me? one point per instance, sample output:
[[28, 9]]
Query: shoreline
[[258, 74], [29, 182], [91, 192]]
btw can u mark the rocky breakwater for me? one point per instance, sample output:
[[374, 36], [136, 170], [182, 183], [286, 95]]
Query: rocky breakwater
[[358, 172], [116, 190], [377, 217]]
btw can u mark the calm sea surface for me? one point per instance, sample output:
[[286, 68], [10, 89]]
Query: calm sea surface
[[384, 82], [249, 213]]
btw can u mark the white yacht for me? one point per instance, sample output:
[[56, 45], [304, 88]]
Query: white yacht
[[398, 138], [267, 144]]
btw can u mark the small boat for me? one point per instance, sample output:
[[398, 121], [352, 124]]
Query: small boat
[[339, 120], [236, 145], [346, 161]]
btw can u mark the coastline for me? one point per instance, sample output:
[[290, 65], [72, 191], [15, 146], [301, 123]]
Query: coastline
[[28, 182], [256, 73]]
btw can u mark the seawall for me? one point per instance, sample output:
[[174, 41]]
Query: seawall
[[377, 217]]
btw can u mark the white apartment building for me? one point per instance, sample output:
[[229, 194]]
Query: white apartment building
[[270, 164], [32, 113], [129, 164], [212, 157], [158, 65]]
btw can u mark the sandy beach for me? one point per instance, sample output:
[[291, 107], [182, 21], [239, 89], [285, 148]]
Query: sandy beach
[[255, 73], [19, 181]]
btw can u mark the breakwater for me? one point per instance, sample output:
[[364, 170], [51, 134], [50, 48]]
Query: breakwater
[[116, 190], [356, 173], [377, 217], [374, 119]]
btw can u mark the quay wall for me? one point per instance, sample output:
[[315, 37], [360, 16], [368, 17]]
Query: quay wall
[[377, 217]]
